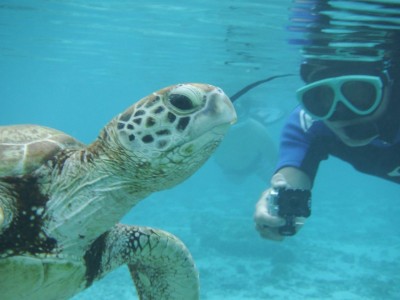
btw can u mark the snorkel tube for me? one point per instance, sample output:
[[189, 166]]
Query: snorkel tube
[[251, 86]]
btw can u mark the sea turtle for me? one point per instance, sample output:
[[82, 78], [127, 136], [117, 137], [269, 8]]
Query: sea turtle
[[60, 201]]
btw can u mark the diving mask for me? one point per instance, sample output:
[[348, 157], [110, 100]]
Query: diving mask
[[361, 94]]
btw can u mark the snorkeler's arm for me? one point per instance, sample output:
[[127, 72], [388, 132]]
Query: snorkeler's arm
[[292, 178], [266, 224], [296, 168]]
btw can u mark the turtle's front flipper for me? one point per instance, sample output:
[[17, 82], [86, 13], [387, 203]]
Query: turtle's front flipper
[[160, 264]]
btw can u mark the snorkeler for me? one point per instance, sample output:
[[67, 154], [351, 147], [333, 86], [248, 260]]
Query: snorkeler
[[350, 110], [349, 107]]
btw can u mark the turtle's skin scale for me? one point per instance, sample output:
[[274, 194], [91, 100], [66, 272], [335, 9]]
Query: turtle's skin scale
[[60, 201]]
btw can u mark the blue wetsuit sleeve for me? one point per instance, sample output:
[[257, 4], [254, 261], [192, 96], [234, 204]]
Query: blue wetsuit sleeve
[[299, 146]]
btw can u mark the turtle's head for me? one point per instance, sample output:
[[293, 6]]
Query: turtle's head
[[169, 134]]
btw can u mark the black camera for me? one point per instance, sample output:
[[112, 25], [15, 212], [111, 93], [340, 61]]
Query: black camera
[[289, 204]]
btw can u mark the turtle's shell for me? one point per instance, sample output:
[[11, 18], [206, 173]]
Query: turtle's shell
[[24, 148]]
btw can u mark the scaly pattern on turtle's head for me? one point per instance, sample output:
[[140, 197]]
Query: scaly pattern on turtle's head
[[171, 132]]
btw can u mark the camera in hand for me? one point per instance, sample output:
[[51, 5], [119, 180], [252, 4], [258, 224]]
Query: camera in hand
[[289, 204]]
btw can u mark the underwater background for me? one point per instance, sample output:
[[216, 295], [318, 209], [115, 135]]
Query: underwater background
[[73, 65]]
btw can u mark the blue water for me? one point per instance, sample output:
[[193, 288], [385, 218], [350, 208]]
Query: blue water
[[73, 65]]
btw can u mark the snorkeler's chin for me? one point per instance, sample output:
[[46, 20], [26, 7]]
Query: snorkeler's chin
[[356, 135], [356, 143]]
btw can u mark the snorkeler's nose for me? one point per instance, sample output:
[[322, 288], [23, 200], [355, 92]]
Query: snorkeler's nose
[[342, 113]]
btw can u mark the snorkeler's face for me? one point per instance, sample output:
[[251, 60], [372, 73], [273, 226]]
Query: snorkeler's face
[[360, 130]]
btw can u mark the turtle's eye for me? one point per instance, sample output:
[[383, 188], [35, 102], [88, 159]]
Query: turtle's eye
[[186, 99], [181, 102]]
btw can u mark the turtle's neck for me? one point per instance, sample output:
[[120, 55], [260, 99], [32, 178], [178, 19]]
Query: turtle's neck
[[88, 198]]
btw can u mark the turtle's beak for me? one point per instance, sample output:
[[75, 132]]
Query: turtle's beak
[[232, 110], [225, 110], [218, 114]]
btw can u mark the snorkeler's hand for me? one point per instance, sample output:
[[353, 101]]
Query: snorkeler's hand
[[267, 225], [266, 217]]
